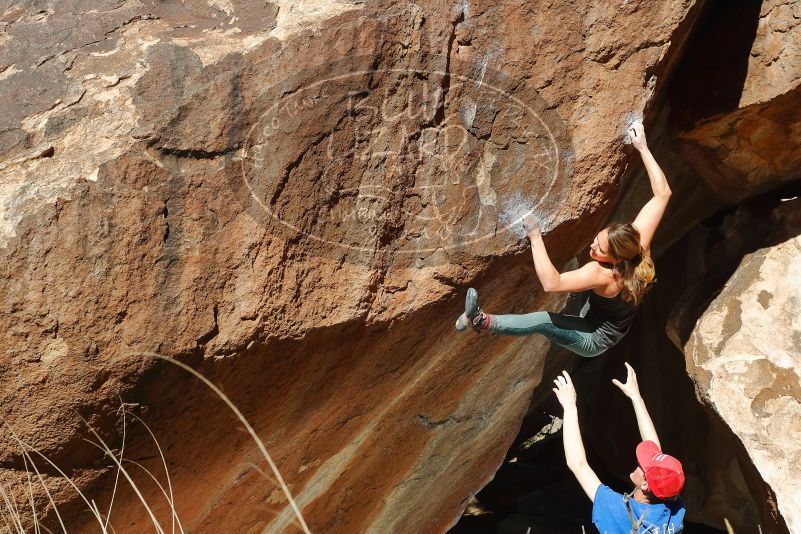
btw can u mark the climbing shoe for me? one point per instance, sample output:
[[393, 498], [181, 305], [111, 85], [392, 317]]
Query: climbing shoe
[[472, 316]]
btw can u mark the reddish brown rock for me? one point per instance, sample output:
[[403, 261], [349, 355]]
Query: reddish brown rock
[[749, 151], [151, 204], [752, 144]]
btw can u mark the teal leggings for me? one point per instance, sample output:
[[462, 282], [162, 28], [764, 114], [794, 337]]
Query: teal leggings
[[569, 331]]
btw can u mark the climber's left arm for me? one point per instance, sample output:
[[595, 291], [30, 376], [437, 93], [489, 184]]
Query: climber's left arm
[[651, 214]]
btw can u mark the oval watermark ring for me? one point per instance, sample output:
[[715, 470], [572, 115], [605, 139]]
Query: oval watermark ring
[[427, 159]]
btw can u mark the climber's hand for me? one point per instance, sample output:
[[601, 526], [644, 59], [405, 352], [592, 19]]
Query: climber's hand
[[532, 226], [637, 136], [631, 389], [565, 391]]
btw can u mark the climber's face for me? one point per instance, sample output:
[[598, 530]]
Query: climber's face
[[599, 249]]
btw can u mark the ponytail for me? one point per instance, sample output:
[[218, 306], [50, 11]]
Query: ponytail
[[640, 276], [635, 273]]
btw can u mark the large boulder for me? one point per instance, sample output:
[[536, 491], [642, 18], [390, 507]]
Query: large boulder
[[292, 198], [744, 353]]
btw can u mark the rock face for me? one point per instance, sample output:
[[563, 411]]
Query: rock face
[[743, 352], [292, 198], [746, 376], [752, 145], [751, 150], [730, 139]]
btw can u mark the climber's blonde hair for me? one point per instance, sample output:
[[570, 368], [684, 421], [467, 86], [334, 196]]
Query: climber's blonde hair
[[634, 268]]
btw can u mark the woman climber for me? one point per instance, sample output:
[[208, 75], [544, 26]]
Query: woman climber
[[614, 282]]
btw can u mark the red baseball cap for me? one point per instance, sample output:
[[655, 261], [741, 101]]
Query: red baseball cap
[[663, 473]]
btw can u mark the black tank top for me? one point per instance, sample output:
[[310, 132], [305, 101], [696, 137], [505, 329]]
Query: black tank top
[[611, 317]]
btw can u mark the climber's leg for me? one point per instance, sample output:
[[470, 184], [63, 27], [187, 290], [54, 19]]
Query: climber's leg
[[568, 331]]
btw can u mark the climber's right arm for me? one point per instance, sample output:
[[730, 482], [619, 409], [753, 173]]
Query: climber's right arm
[[587, 277]]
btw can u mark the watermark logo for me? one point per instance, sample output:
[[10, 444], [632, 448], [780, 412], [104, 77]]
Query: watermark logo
[[416, 160]]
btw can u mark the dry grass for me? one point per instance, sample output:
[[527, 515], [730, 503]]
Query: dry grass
[[19, 511]]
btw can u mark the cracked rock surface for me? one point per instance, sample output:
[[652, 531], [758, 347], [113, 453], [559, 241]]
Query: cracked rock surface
[[292, 198]]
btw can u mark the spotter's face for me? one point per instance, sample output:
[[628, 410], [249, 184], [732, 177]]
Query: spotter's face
[[638, 477]]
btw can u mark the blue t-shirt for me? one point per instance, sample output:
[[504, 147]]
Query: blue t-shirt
[[610, 516]]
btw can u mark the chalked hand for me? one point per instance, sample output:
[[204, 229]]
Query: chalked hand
[[532, 226], [637, 136]]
